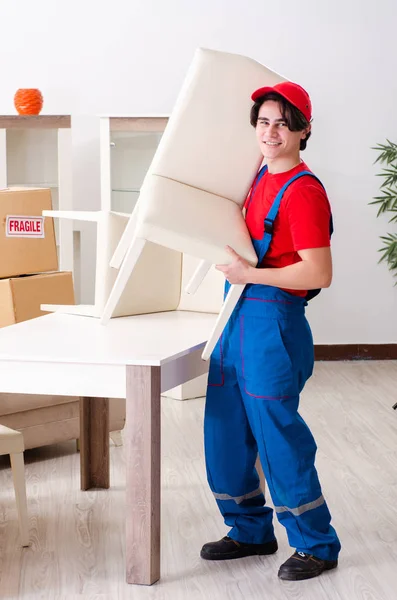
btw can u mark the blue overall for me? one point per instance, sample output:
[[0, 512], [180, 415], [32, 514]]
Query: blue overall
[[257, 371]]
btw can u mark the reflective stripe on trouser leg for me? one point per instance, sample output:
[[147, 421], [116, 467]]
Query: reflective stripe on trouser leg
[[231, 452], [239, 499]]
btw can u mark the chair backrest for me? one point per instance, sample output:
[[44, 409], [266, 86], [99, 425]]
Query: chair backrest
[[209, 143]]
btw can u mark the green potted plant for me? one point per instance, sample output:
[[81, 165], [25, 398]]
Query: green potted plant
[[387, 201]]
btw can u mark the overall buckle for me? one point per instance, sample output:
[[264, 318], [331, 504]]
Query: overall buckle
[[269, 226]]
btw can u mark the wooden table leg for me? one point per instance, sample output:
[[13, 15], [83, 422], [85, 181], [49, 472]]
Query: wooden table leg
[[94, 443], [142, 443]]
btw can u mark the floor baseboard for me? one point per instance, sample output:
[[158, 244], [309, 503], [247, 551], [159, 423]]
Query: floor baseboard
[[355, 352]]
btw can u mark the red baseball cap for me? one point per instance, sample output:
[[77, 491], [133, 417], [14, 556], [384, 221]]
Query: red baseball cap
[[294, 93]]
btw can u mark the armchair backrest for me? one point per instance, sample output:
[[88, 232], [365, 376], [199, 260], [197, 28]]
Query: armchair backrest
[[209, 143]]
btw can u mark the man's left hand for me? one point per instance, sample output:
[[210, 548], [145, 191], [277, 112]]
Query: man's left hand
[[239, 269]]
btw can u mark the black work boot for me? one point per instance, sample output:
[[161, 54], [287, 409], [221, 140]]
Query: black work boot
[[226, 548], [304, 566]]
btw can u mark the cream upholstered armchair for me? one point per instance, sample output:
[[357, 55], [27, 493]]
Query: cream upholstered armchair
[[191, 199]]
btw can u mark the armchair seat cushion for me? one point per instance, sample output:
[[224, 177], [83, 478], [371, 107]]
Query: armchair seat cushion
[[192, 221]]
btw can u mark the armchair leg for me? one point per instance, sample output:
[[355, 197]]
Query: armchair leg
[[130, 260], [128, 234], [197, 277], [230, 302]]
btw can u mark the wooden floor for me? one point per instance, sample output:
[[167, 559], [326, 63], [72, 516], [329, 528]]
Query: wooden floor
[[78, 537]]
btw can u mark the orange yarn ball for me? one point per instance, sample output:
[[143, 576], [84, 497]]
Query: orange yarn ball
[[28, 101]]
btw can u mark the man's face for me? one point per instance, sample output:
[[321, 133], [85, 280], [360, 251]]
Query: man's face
[[274, 138]]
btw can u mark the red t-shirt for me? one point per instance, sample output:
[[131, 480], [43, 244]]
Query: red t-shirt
[[303, 220]]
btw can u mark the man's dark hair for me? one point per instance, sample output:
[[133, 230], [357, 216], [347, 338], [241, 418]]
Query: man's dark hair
[[295, 120]]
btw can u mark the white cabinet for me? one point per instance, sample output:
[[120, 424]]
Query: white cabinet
[[128, 145], [35, 151]]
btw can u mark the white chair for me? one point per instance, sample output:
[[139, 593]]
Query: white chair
[[11, 442], [192, 195]]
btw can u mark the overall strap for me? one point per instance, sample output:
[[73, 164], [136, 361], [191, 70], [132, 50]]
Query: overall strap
[[257, 179], [272, 214]]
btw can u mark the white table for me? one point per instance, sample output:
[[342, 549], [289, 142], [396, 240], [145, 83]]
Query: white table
[[136, 358]]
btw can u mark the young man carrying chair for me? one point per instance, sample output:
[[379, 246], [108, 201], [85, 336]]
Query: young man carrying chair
[[265, 354]]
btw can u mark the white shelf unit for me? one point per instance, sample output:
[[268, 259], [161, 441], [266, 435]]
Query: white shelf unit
[[35, 151], [128, 145]]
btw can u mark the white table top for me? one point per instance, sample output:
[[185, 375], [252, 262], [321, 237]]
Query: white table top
[[153, 339]]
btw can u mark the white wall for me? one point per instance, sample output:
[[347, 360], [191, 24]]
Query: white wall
[[127, 56]]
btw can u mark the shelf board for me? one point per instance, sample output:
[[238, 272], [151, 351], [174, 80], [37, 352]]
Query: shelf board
[[45, 184], [121, 136], [155, 124], [35, 121]]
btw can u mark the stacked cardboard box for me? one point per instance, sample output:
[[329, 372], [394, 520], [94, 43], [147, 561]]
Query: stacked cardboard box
[[29, 273]]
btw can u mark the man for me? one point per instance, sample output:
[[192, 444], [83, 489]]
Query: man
[[265, 354]]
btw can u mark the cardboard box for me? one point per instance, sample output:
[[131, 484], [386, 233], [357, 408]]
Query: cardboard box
[[27, 239], [21, 297]]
